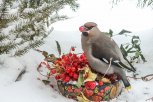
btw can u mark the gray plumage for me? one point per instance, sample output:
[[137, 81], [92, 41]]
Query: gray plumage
[[99, 49]]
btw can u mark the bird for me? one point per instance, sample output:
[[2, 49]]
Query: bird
[[103, 53]]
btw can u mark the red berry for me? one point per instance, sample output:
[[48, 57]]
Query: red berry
[[57, 77], [75, 56], [69, 88], [67, 79], [79, 66], [73, 49], [81, 29], [75, 64], [68, 70], [107, 88], [73, 69], [100, 94], [63, 56], [76, 91], [100, 83], [88, 93], [70, 54], [75, 76], [62, 76], [92, 85], [66, 58], [71, 74], [82, 57], [53, 71], [101, 91]]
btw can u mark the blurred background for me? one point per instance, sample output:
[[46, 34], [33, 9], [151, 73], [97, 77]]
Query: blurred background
[[123, 15]]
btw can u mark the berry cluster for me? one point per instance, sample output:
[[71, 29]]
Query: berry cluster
[[74, 67], [68, 66]]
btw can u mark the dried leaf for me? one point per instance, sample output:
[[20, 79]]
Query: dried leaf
[[45, 54], [113, 92], [82, 98], [105, 80], [51, 58], [91, 76]]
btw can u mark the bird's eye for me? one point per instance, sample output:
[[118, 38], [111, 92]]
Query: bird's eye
[[89, 28]]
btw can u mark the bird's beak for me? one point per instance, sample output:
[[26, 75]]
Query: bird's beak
[[84, 30]]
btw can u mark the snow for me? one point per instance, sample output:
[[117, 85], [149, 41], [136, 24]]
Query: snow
[[124, 15], [30, 89]]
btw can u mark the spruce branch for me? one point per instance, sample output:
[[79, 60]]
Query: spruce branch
[[3, 37], [29, 23], [140, 3]]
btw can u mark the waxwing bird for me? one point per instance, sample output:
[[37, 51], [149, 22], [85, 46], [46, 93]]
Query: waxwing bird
[[102, 52]]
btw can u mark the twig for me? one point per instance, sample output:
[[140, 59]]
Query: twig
[[38, 50], [149, 99], [48, 75], [145, 78]]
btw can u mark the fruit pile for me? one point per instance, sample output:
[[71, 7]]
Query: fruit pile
[[76, 80], [68, 67]]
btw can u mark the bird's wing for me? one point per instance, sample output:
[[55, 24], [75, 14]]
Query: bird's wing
[[107, 50]]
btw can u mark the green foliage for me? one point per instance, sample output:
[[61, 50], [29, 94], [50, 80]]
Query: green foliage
[[80, 80], [25, 23], [58, 48], [124, 31], [132, 49], [145, 3], [140, 3]]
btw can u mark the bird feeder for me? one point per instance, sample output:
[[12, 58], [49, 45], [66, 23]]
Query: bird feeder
[[76, 80]]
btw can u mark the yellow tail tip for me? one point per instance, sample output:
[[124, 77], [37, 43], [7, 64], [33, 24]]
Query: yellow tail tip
[[128, 88]]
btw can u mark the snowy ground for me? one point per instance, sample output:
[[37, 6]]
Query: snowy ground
[[29, 89]]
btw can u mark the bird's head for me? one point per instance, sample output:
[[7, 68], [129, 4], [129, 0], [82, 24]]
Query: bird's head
[[90, 32], [89, 29]]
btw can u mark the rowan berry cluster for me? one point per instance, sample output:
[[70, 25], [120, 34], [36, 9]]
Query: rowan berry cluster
[[68, 66]]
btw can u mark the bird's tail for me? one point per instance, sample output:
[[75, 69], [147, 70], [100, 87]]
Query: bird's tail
[[125, 66], [122, 74], [129, 63]]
